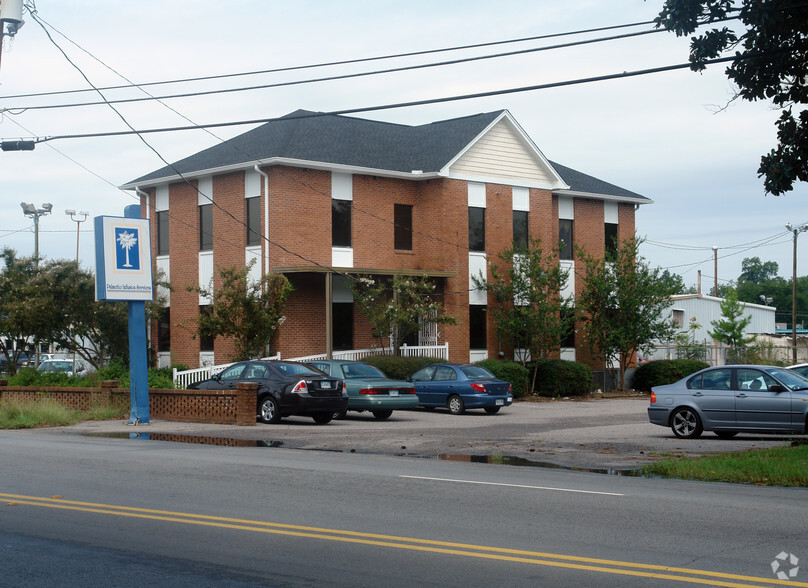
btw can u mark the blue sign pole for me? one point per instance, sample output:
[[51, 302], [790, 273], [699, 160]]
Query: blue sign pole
[[138, 361]]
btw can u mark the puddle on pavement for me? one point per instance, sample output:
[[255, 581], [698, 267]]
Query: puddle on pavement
[[521, 461], [177, 438], [492, 459]]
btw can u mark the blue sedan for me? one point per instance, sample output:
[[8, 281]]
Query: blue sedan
[[458, 387]]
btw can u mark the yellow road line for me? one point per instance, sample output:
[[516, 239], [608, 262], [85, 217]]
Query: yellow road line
[[414, 544]]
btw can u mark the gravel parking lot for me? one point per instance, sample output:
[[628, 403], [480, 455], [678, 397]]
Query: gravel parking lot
[[600, 434]]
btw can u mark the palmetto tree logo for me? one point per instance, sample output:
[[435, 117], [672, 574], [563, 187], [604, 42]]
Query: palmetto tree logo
[[127, 241]]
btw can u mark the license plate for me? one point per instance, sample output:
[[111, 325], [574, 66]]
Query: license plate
[[393, 392], [325, 385], [500, 402]]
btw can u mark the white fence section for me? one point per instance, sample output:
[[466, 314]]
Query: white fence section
[[437, 351], [185, 377]]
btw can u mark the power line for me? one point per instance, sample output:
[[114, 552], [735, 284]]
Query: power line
[[337, 77], [326, 64], [428, 101]]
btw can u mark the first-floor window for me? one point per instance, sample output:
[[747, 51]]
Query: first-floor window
[[205, 341], [568, 338], [477, 327], [342, 322], [164, 330]]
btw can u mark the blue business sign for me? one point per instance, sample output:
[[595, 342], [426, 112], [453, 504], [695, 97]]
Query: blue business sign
[[122, 259]]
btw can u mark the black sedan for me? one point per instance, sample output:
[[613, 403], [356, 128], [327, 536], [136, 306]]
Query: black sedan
[[285, 388]]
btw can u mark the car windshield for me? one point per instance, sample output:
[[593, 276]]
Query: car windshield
[[360, 370], [790, 379], [474, 372], [297, 369], [56, 366]]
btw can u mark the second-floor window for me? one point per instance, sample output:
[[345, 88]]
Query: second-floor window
[[565, 238], [402, 218], [520, 228], [611, 242], [476, 228], [162, 232], [340, 223], [253, 220], [206, 227]]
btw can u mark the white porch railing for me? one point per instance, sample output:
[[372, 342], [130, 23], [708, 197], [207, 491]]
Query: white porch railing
[[185, 377], [437, 351]]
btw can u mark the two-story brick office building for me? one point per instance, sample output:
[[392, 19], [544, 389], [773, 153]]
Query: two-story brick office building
[[322, 198]]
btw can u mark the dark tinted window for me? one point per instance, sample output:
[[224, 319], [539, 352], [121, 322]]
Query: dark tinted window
[[565, 238], [340, 223], [253, 221], [162, 232], [206, 227], [342, 321], [164, 331], [205, 341], [402, 217], [611, 241], [477, 327], [476, 228], [520, 228]]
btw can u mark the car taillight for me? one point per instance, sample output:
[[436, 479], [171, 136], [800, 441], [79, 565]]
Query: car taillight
[[300, 387], [653, 397], [368, 391], [406, 391], [510, 388], [478, 387]]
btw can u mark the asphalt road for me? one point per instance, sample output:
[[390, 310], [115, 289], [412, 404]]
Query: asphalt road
[[94, 511], [601, 434]]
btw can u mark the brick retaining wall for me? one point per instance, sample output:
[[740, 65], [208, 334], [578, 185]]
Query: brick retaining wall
[[224, 407]]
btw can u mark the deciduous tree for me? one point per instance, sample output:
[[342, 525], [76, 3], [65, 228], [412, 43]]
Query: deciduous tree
[[771, 64]]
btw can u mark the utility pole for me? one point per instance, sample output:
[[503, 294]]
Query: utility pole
[[32, 211], [796, 231]]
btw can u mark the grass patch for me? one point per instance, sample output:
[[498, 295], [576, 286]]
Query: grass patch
[[780, 466], [49, 413]]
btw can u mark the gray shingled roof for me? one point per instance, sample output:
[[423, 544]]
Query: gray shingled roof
[[354, 142]]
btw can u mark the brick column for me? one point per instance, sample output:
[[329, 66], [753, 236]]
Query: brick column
[[246, 403]]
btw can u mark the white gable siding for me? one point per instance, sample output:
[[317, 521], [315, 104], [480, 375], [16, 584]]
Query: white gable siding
[[501, 153]]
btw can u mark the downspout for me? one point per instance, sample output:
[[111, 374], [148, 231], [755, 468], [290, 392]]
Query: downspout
[[146, 194], [265, 243]]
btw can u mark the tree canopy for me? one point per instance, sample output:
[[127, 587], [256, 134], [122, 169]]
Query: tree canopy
[[771, 63], [624, 305]]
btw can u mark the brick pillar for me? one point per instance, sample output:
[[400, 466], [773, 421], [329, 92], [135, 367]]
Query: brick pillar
[[246, 403]]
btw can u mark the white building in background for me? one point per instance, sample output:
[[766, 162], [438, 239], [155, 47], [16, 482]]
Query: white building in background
[[706, 309]]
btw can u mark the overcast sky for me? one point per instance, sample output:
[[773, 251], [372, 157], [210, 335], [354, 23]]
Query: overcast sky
[[673, 137]]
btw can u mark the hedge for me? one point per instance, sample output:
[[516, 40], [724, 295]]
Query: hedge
[[665, 371], [510, 371], [559, 377]]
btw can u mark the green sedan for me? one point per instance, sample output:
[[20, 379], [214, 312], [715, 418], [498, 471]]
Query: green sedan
[[368, 387]]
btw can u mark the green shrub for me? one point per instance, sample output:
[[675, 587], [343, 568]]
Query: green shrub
[[510, 371], [558, 377], [665, 371], [399, 368], [29, 376]]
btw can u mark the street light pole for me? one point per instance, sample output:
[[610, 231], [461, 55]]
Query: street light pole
[[73, 216], [32, 211], [796, 231]]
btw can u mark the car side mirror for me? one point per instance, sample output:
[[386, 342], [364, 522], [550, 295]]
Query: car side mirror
[[776, 388]]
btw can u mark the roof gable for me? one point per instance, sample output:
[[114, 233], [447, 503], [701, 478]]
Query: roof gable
[[505, 152]]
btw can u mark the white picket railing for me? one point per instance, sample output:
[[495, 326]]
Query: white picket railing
[[185, 377]]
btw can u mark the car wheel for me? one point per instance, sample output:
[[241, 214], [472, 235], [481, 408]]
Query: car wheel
[[322, 418], [686, 424], [456, 405], [726, 434], [492, 409], [268, 410], [382, 414], [340, 414]]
